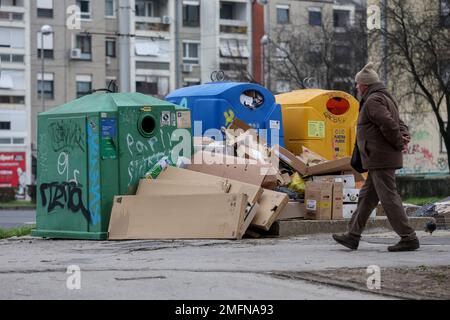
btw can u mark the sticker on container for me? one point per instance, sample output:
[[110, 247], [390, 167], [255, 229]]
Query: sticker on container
[[274, 125], [165, 119], [109, 127], [183, 119], [316, 129], [311, 205], [174, 119]]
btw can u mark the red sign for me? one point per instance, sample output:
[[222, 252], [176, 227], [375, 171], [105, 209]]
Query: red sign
[[12, 169]]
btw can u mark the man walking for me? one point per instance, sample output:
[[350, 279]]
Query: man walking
[[381, 137]]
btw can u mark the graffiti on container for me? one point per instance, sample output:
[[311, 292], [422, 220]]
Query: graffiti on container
[[138, 168], [43, 153], [63, 167], [66, 136], [94, 175], [63, 195], [333, 118]]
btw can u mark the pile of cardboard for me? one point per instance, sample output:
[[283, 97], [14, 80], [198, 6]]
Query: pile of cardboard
[[248, 189]]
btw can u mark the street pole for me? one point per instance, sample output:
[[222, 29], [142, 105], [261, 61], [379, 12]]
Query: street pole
[[45, 30], [42, 71]]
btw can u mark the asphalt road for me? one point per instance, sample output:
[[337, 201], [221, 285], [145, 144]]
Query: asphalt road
[[16, 218], [34, 268]]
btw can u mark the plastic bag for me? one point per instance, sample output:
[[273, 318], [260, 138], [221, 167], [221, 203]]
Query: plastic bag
[[297, 184]]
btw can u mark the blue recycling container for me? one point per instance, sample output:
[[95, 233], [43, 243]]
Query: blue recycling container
[[217, 104]]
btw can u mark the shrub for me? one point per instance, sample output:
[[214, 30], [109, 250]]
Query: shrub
[[7, 194]]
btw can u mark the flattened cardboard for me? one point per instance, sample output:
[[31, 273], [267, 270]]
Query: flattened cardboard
[[338, 201], [235, 168], [348, 180], [318, 200], [334, 166], [177, 174], [166, 187], [293, 210], [290, 159], [270, 207], [211, 216]]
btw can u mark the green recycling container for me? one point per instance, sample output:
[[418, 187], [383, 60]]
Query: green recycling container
[[96, 147]]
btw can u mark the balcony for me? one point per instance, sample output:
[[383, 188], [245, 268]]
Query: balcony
[[153, 24], [233, 17]]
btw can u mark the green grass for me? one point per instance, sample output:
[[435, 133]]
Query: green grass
[[16, 232], [17, 203], [422, 201]]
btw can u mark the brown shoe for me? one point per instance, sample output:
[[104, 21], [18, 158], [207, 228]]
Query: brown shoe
[[410, 245], [346, 241]]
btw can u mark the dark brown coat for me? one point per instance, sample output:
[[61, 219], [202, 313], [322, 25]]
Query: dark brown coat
[[380, 130]]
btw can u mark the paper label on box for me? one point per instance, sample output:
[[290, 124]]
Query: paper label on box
[[311, 205], [274, 124], [183, 119], [316, 129]]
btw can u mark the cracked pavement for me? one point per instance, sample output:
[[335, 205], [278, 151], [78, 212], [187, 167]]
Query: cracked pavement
[[34, 268]]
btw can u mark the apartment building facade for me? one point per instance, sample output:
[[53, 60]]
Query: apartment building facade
[[15, 98], [317, 33]]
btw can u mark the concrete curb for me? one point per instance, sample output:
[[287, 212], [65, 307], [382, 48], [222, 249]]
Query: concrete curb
[[298, 227]]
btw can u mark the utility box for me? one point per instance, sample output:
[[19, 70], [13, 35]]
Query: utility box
[[217, 104], [97, 147], [323, 121]]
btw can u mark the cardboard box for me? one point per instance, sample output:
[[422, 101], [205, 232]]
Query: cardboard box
[[338, 201], [348, 180], [349, 209], [293, 210], [166, 187], [335, 166], [239, 169], [269, 208], [289, 159], [351, 195], [211, 216], [270, 203], [318, 200]]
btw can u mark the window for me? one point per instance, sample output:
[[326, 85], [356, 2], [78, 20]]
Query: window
[[110, 10], [12, 79], [111, 48], [445, 13], [12, 38], [12, 99], [48, 46], [227, 11], [191, 14], [46, 84], [152, 85], [190, 52], [341, 54], [315, 16], [341, 18], [85, 8], [44, 8], [282, 14], [84, 85], [144, 8], [191, 82], [230, 48], [83, 42], [5, 125]]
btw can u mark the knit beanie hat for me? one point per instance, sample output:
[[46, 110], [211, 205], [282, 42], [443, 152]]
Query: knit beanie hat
[[367, 75]]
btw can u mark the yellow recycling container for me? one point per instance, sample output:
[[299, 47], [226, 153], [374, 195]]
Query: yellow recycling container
[[323, 121]]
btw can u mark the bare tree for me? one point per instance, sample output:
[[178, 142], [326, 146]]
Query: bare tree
[[329, 54], [418, 35]]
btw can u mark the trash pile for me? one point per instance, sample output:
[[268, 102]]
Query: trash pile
[[232, 188]]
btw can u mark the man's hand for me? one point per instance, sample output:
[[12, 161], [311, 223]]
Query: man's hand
[[406, 141]]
